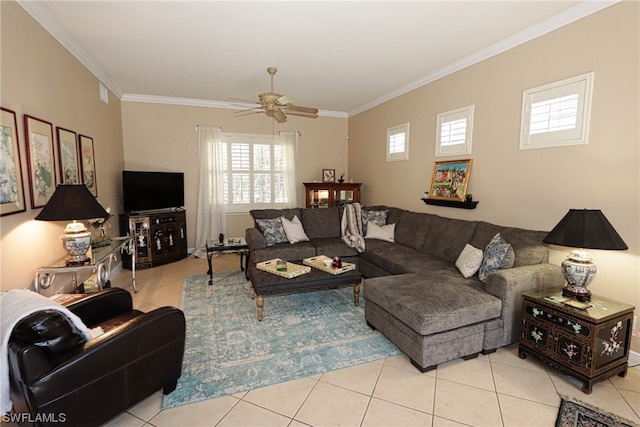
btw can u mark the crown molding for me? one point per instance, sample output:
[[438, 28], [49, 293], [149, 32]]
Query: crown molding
[[34, 9], [579, 11], [192, 102]]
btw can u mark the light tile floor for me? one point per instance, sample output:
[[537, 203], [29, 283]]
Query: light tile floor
[[499, 389]]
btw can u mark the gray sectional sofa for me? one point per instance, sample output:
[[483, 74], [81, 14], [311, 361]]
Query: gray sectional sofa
[[414, 292]]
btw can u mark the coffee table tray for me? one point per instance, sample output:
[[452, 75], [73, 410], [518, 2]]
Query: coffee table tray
[[293, 270], [318, 262]]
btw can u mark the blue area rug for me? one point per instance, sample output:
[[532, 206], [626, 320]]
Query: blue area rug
[[228, 351]]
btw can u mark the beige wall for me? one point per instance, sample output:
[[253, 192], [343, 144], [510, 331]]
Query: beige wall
[[531, 188], [163, 137], [40, 78]]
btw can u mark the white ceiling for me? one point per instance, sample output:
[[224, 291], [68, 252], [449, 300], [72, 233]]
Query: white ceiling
[[341, 57]]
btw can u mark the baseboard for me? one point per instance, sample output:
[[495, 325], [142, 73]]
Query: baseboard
[[634, 358]]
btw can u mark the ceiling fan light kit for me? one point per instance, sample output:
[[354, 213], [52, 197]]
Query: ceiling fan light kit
[[278, 106]]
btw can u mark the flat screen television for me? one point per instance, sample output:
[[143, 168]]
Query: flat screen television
[[146, 191]]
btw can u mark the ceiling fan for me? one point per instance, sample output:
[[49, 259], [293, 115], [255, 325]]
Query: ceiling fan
[[278, 106]]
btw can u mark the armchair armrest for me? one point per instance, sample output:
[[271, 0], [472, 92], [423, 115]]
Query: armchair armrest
[[95, 308], [509, 284], [134, 350]]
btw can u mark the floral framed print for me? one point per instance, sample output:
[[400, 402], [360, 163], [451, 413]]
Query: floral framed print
[[450, 179], [328, 175], [88, 164], [68, 156], [11, 184], [40, 160]]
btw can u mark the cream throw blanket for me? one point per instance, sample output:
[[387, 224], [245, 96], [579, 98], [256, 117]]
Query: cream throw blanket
[[351, 226], [14, 306]]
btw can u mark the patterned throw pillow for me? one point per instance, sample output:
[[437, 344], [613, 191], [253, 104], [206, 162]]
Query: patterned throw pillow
[[469, 260], [272, 230], [377, 217], [294, 230], [386, 232], [497, 255]]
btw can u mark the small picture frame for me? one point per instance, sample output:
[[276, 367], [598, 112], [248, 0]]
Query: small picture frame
[[88, 164], [328, 175], [450, 180], [11, 184], [40, 160], [68, 156]]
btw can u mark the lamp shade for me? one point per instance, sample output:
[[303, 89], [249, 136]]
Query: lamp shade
[[587, 229], [71, 202]]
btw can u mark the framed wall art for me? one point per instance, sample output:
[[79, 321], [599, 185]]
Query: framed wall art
[[68, 156], [40, 160], [328, 175], [88, 164], [450, 179], [11, 184]]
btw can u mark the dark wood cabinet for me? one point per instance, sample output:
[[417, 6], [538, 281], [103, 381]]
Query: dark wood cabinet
[[589, 344], [159, 238], [330, 194]]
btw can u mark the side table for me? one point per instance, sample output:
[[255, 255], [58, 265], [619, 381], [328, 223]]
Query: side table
[[588, 344], [232, 245], [101, 262]]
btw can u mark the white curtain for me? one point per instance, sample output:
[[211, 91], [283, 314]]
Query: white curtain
[[290, 141], [211, 213]]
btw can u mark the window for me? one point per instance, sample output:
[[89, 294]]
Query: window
[[255, 170], [398, 143], [557, 114], [453, 132]]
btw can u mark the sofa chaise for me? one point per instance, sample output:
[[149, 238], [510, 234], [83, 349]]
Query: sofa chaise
[[414, 266]]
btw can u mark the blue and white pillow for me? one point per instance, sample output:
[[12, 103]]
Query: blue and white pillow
[[498, 254], [376, 217], [272, 230]]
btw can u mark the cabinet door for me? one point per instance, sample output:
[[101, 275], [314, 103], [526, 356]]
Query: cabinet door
[[611, 341], [140, 229], [572, 351]]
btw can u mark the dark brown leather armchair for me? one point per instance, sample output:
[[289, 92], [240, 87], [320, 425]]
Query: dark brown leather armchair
[[93, 382]]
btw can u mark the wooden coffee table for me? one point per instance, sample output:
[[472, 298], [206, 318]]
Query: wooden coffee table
[[234, 245], [264, 283]]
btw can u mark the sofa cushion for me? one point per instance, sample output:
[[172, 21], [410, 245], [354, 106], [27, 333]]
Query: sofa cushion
[[400, 259], [469, 261], [378, 217], [285, 251], [497, 254], [332, 247], [385, 232], [430, 304], [527, 244], [321, 223], [272, 230], [273, 213], [294, 230], [412, 229], [447, 237]]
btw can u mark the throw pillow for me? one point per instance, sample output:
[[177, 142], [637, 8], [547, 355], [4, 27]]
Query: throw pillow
[[294, 230], [272, 230], [377, 217], [386, 232], [495, 257], [469, 260]]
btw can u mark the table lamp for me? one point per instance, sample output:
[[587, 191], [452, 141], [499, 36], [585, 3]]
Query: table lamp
[[583, 229], [72, 203]]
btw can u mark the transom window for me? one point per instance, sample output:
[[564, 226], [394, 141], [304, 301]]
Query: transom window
[[557, 114], [453, 132], [398, 142]]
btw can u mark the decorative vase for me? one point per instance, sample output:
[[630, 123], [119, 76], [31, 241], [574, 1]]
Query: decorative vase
[[578, 271]]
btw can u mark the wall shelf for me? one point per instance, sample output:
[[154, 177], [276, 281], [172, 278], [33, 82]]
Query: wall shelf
[[451, 203]]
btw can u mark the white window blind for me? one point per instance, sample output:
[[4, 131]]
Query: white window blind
[[254, 171], [398, 142], [557, 114], [453, 133]]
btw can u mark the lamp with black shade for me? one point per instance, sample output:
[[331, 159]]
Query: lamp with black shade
[[72, 202], [583, 229]]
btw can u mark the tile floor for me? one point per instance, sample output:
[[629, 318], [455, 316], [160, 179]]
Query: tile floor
[[499, 389]]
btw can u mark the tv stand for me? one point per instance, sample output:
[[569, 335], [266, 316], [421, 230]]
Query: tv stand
[[159, 237]]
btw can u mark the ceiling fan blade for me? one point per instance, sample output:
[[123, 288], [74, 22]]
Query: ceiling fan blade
[[307, 110], [280, 116], [285, 100], [248, 112]]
